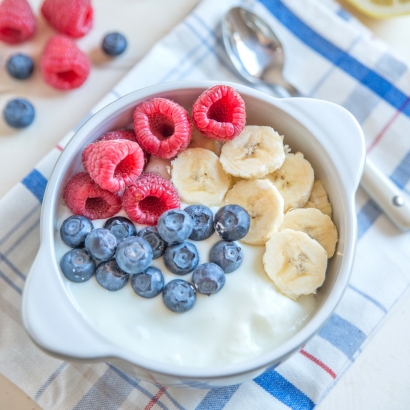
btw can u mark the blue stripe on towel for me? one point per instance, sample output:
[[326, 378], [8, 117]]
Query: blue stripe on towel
[[10, 283], [36, 184], [216, 399], [337, 56], [401, 174], [366, 217], [342, 334], [108, 392], [369, 298], [284, 391]]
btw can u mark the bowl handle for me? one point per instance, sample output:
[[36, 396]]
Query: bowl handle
[[50, 319], [337, 131]]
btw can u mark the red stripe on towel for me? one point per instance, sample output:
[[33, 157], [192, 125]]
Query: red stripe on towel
[[319, 363], [152, 402], [387, 126]]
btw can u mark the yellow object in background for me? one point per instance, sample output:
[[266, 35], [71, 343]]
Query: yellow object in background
[[382, 8]]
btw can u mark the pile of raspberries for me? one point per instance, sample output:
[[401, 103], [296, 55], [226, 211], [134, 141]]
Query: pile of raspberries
[[114, 163], [63, 65]]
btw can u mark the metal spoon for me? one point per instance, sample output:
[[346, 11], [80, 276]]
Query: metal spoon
[[258, 56], [255, 51]]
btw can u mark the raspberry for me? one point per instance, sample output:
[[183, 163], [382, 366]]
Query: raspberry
[[219, 113], [149, 198], [84, 197], [162, 127], [63, 64], [17, 22], [114, 164], [73, 17], [124, 134], [118, 135]]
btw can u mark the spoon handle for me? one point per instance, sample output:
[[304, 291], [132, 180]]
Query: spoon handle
[[280, 91], [388, 197]]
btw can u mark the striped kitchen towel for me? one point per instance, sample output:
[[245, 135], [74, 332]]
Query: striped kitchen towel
[[329, 56]]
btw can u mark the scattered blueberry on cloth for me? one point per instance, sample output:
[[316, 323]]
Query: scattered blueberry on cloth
[[19, 113], [20, 66]]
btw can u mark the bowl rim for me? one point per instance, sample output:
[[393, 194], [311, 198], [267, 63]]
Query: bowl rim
[[285, 349]]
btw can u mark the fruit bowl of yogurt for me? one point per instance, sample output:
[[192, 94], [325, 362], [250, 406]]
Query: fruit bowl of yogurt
[[256, 318]]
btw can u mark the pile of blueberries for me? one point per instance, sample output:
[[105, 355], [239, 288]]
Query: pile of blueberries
[[116, 251]]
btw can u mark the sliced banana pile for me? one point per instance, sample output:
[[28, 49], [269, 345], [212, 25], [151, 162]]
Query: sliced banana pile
[[319, 199], [295, 262], [294, 180], [264, 205], [314, 223], [290, 211], [199, 177], [255, 152]]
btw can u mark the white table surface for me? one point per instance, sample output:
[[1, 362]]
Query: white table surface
[[379, 378]]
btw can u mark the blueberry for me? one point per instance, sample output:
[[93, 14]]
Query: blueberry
[[18, 113], [149, 283], [114, 44], [101, 244], [175, 226], [208, 278], [232, 222], [133, 255], [120, 227], [227, 255], [203, 220], [179, 295], [74, 230], [20, 66], [181, 258], [151, 235], [110, 276], [77, 265]]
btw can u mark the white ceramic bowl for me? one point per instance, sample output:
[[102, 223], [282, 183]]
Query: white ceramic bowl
[[330, 139]]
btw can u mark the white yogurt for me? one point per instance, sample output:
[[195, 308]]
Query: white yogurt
[[246, 319]]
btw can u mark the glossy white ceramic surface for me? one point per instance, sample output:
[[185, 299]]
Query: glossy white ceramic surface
[[330, 139]]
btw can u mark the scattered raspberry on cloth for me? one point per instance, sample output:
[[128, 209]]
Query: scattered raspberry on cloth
[[63, 64], [71, 17], [17, 22]]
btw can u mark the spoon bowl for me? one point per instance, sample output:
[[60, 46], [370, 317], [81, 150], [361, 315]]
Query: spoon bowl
[[255, 50]]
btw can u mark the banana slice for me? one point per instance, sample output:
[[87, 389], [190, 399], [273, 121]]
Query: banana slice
[[295, 262], [199, 177], [255, 152], [235, 180], [315, 224], [264, 205], [319, 199], [200, 141], [294, 180]]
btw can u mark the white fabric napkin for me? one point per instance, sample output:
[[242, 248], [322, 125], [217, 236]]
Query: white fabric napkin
[[329, 56]]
